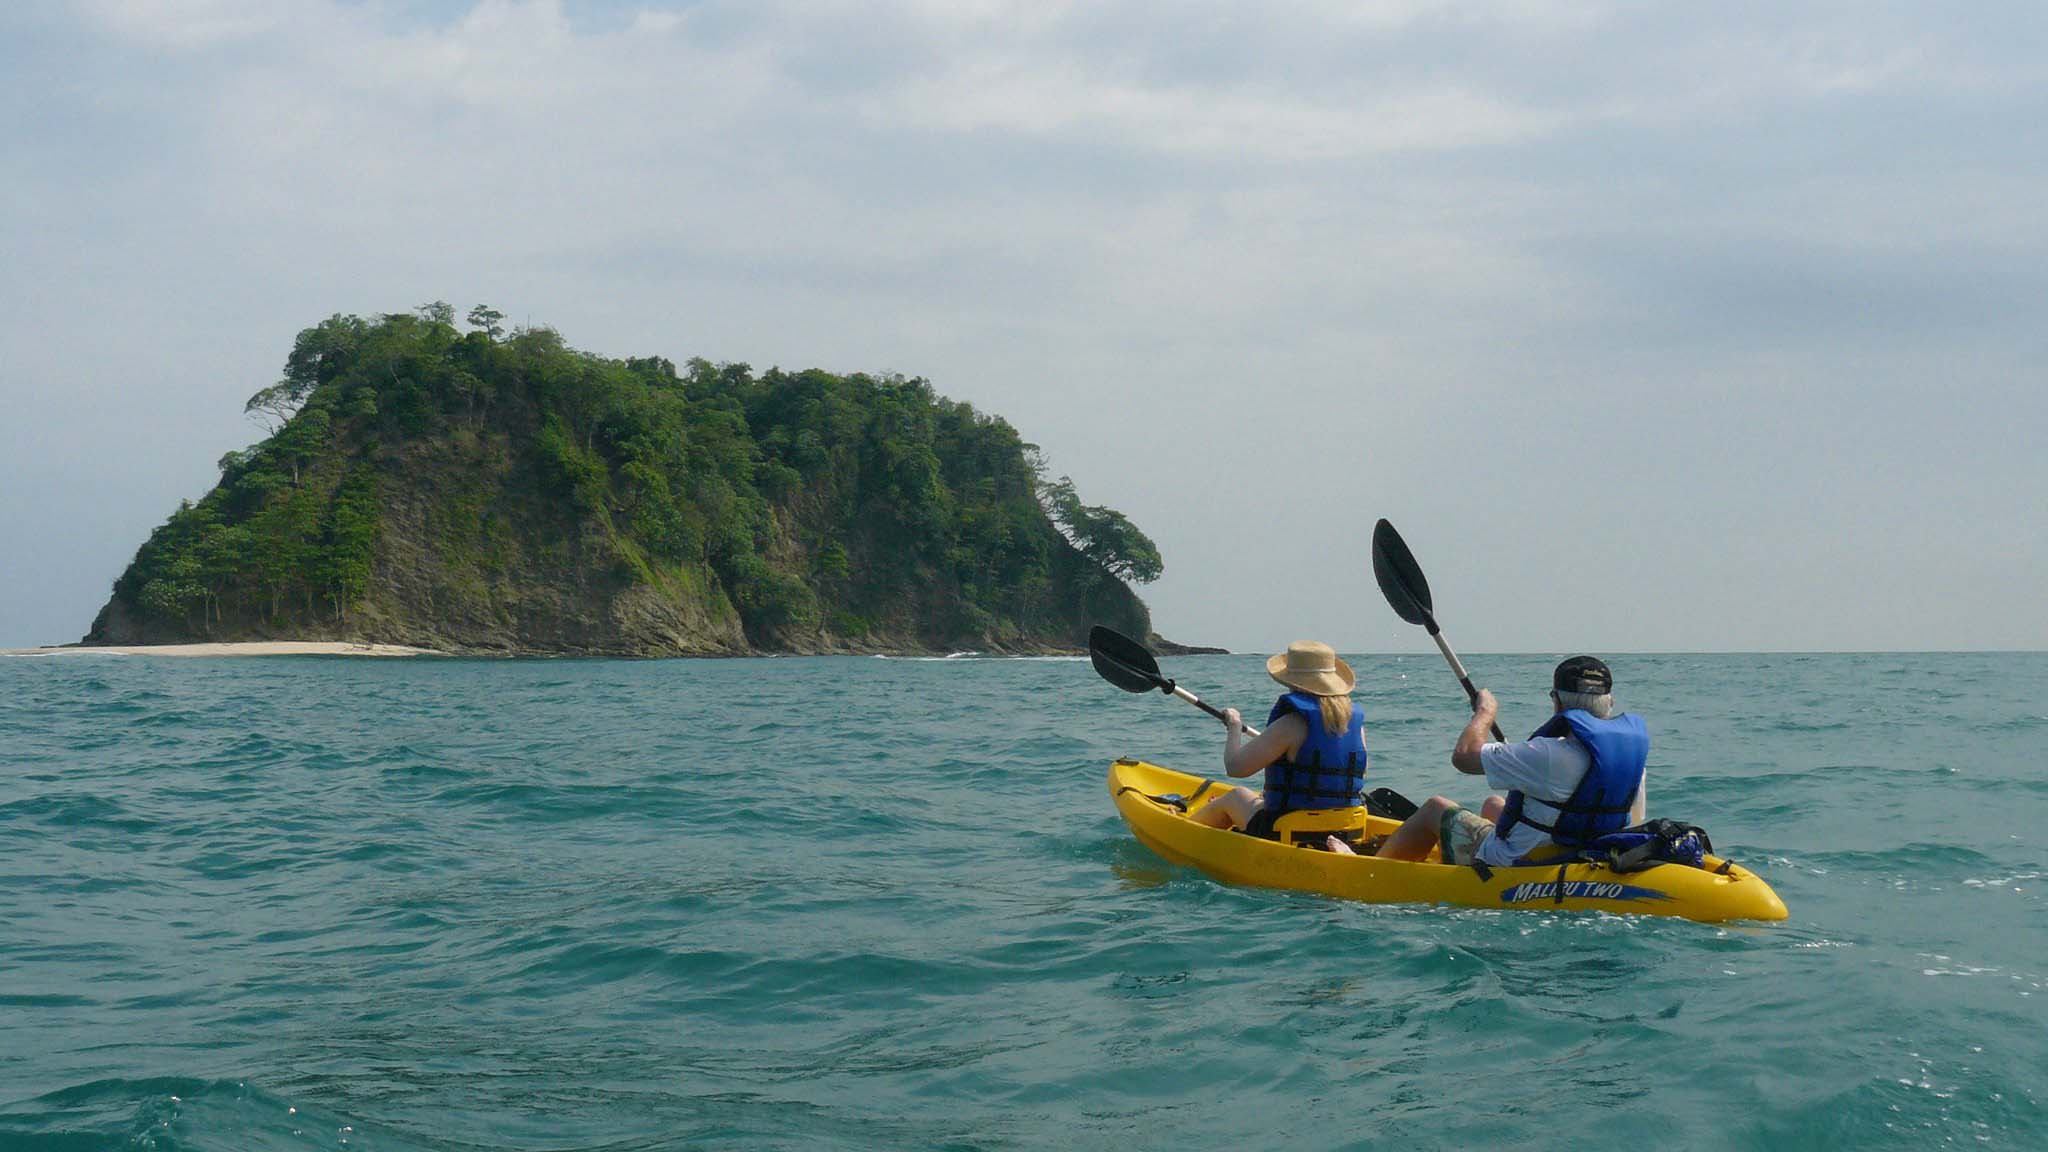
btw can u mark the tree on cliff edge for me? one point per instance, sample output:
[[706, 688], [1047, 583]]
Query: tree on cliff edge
[[1104, 535]]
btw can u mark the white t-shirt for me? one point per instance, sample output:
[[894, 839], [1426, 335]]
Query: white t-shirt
[[1546, 768]]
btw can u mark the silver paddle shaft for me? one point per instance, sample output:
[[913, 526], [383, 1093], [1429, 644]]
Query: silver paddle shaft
[[1197, 701], [1458, 667], [1444, 646]]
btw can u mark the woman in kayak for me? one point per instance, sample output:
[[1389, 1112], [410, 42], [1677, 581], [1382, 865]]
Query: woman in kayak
[[1312, 751]]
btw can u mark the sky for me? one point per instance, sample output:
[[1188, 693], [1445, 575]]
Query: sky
[[1652, 326]]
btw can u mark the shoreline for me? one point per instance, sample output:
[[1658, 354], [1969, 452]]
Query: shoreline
[[237, 648], [241, 648]]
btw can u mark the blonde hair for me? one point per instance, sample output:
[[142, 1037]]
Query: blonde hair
[[1336, 714]]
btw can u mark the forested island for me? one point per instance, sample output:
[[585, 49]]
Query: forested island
[[478, 491]]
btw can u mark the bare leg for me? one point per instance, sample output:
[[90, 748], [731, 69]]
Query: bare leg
[[1416, 836], [1233, 809], [1338, 846], [1493, 807]]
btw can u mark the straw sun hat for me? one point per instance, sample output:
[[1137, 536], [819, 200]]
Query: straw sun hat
[[1310, 667]]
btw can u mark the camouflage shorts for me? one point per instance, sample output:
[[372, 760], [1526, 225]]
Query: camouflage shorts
[[1461, 834]]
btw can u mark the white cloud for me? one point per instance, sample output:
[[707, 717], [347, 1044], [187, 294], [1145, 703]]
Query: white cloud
[[1060, 98], [192, 25]]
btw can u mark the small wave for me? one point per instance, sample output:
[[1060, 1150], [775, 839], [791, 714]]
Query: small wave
[[1785, 724], [429, 770], [77, 810], [1917, 855], [1940, 964], [587, 963], [171, 1112]]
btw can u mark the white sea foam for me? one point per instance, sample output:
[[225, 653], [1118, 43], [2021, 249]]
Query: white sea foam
[[2001, 881], [977, 656]]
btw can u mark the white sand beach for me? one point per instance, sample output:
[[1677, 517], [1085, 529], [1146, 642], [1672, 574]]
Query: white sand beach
[[250, 648]]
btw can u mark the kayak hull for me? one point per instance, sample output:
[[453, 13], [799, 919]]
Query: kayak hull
[[1709, 895]]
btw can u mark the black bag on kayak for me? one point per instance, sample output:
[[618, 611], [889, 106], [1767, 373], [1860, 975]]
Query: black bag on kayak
[[1649, 844]]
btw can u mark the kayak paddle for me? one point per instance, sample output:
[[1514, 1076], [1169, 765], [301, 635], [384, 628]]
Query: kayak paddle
[[1407, 592], [1130, 666]]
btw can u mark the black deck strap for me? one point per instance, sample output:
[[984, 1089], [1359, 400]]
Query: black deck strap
[[1560, 882], [1168, 801], [1200, 792], [1726, 867], [1480, 867]]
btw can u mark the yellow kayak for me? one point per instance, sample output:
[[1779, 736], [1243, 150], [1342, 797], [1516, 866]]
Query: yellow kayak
[[1721, 891]]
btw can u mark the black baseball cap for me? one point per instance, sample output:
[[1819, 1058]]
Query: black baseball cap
[[1583, 674]]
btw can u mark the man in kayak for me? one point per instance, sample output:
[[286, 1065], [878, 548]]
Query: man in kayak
[[1312, 751], [1580, 776]]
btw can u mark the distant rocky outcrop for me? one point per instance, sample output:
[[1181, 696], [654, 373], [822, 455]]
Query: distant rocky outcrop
[[1164, 647], [471, 491]]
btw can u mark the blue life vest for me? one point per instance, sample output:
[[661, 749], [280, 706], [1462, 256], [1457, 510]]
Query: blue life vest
[[1326, 771], [1619, 747]]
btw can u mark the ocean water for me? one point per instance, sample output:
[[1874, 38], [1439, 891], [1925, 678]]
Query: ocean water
[[867, 903]]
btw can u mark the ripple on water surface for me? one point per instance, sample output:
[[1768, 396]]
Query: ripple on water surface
[[885, 903]]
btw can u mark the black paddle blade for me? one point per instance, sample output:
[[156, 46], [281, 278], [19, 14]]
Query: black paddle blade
[[1122, 661], [1389, 803], [1400, 577]]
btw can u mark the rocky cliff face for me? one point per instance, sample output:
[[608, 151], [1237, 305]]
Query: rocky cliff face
[[473, 493]]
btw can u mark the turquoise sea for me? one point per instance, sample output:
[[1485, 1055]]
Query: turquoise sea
[[870, 903]]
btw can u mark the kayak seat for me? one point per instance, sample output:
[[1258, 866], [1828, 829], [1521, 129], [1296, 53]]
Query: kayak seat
[[1310, 825]]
